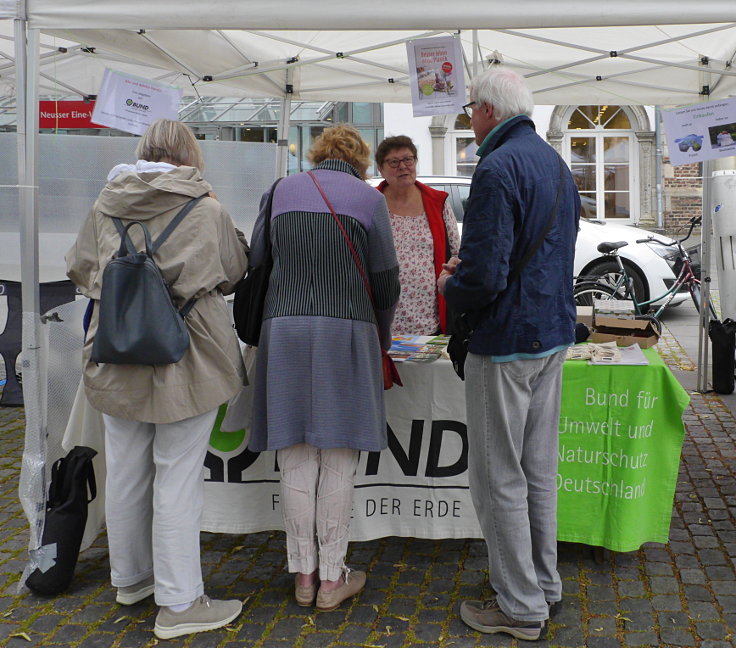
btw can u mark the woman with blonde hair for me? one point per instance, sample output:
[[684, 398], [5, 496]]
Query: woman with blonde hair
[[158, 419], [318, 384]]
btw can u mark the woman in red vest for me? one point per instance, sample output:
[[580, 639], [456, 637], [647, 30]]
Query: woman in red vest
[[425, 235]]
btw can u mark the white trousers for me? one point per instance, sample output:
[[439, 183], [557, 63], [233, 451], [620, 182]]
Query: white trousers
[[154, 500], [317, 501]]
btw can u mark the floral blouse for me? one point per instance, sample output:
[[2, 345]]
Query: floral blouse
[[417, 312]]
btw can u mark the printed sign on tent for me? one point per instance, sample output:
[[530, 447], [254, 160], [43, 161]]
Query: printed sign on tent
[[66, 114], [437, 75], [132, 104], [700, 132]]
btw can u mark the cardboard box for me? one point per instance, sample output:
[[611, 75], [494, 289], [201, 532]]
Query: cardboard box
[[585, 316], [624, 331]]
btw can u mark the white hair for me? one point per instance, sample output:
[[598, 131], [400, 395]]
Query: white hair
[[505, 90]]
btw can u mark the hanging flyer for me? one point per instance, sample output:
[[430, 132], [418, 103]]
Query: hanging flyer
[[700, 132], [132, 104], [436, 75]]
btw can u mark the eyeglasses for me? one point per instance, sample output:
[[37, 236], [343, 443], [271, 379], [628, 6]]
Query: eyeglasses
[[468, 109], [409, 162]]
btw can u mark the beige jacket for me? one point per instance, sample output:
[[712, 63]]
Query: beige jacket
[[203, 257]]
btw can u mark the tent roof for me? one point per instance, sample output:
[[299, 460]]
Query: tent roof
[[586, 52]]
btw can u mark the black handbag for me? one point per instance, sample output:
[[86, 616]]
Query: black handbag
[[138, 322], [463, 325], [250, 291], [72, 488], [723, 337]]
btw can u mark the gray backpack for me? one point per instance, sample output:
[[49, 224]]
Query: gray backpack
[[138, 322]]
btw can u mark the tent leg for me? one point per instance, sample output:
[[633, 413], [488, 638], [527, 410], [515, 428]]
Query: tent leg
[[282, 153], [32, 489], [705, 238]]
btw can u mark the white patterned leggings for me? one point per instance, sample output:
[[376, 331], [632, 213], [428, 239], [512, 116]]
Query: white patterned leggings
[[317, 501]]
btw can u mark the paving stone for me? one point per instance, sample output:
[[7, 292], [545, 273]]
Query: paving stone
[[715, 631], [600, 626], [355, 634], [697, 593], [663, 585], [633, 588], [648, 638], [603, 642], [677, 637]]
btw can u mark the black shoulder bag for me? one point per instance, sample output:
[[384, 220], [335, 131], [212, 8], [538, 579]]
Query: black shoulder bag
[[250, 291], [464, 324]]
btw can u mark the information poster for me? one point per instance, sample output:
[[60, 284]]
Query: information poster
[[700, 132], [437, 75], [132, 104]]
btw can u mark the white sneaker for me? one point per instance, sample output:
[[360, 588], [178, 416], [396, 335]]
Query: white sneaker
[[202, 615], [131, 594]]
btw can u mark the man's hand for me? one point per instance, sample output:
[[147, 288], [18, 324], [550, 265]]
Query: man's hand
[[448, 269]]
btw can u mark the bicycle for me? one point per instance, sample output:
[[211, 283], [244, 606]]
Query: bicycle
[[620, 285]]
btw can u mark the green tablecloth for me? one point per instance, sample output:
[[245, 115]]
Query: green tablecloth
[[621, 433]]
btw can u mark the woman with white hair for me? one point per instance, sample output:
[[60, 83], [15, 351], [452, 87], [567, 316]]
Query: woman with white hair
[[158, 419]]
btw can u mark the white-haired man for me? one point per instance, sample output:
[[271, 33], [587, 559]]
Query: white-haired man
[[515, 280]]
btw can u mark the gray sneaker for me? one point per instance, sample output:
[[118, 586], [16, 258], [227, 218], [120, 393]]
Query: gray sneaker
[[486, 616], [202, 615], [131, 594]]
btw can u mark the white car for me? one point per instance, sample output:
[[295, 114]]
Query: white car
[[649, 264]]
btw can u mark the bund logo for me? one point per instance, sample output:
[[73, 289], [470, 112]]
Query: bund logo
[[134, 104]]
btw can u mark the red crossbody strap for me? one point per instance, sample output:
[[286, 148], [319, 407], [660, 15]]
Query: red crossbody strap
[[347, 240]]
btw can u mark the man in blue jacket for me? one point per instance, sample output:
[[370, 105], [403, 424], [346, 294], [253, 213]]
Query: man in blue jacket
[[524, 323]]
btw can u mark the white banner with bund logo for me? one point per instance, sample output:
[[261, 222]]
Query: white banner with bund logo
[[417, 487], [132, 104]]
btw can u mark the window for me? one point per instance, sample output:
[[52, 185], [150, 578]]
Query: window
[[464, 148], [600, 150]]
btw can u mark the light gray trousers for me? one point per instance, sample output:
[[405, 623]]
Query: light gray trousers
[[154, 500], [513, 418], [317, 502]]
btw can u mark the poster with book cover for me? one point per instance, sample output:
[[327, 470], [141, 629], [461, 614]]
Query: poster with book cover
[[436, 75]]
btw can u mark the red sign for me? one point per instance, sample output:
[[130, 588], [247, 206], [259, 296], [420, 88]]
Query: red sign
[[66, 114], [447, 67]]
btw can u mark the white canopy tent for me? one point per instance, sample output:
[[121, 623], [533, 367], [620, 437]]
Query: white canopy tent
[[628, 52], [649, 52]]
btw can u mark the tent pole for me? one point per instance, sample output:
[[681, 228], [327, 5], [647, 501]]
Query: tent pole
[[705, 238], [658, 165], [282, 152], [475, 53], [32, 487]]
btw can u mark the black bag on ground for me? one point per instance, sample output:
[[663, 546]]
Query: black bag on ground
[[250, 291], [72, 488], [723, 337], [138, 321]]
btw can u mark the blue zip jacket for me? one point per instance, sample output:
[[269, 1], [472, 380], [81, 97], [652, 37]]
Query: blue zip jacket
[[511, 197]]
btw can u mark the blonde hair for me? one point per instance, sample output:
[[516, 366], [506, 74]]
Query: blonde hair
[[167, 140], [342, 142]]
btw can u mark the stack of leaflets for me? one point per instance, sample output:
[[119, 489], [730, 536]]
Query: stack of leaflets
[[418, 348]]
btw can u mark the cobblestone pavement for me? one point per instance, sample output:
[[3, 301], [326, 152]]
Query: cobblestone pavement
[[679, 594]]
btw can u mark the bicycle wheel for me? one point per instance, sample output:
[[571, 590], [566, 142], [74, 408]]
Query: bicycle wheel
[[695, 294], [587, 292]]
